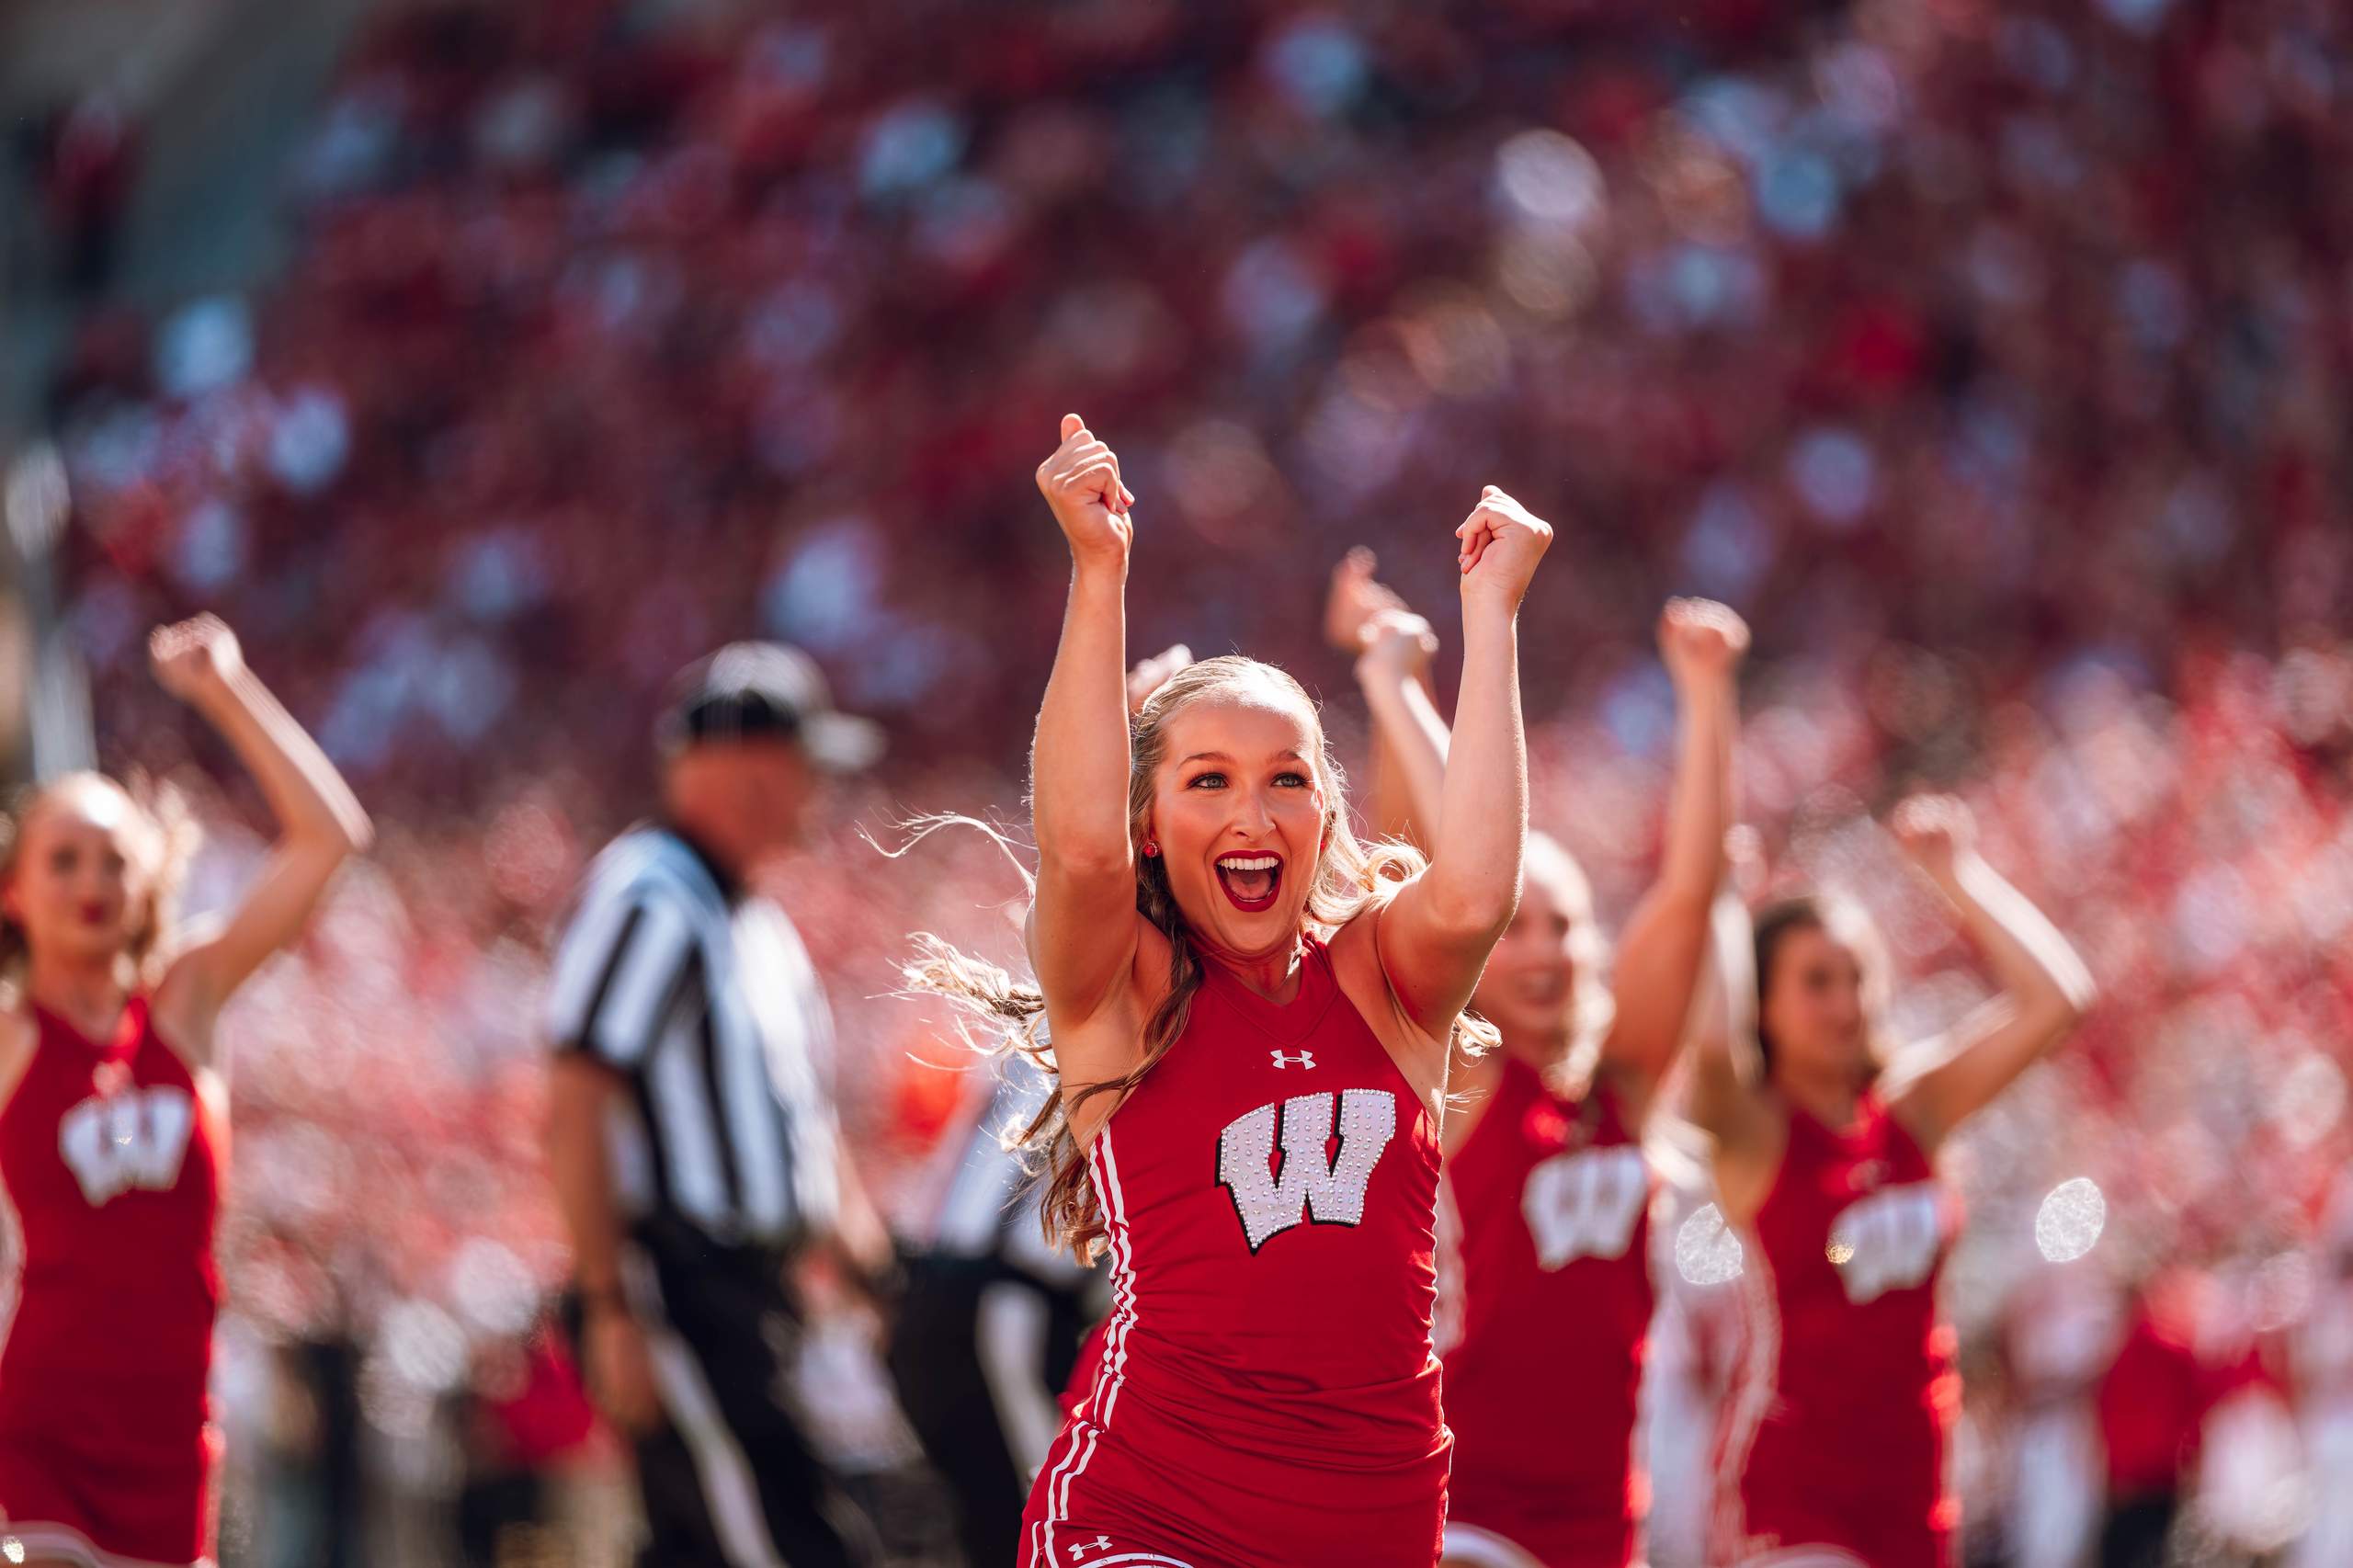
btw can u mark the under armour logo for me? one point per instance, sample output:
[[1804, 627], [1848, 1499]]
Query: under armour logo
[[1305, 1059], [1100, 1543]]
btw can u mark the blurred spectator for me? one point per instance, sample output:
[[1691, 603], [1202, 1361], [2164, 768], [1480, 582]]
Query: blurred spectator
[[83, 156], [988, 1329], [2060, 1337], [2322, 1358], [2153, 1406], [524, 1419]]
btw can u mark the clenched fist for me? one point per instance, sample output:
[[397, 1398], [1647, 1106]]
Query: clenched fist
[[1937, 831], [1356, 597], [1700, 640], [1397, 643], [194, 658], [1081, 483], [620, 1373], [1151, 674], [1502, 542]]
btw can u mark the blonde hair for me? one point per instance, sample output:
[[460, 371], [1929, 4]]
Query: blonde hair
[[169, 838], [1350, 877], [1590, 1005]]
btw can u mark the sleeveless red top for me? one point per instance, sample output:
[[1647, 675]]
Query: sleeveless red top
[[1549, 1288], [1266, 1391], [1837, 1426], [110, 1173]]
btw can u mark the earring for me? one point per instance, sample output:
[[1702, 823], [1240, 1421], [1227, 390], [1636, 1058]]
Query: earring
[[1150, 850]]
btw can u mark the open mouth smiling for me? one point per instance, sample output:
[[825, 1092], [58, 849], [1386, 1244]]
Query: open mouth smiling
[[1251, 879]]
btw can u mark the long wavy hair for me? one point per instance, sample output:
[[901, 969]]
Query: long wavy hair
[[167, 838], [1350, 877]]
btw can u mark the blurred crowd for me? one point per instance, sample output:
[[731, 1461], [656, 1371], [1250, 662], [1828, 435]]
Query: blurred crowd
[[1992, 360]]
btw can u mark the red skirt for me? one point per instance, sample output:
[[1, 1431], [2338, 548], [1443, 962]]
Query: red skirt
[[1779, 1525], [84, 1509], [1153, 1492]]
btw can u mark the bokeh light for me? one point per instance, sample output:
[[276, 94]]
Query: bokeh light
[[1707, 1251], [2068, 1224]]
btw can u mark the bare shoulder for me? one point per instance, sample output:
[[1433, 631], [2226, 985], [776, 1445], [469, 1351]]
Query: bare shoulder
[[1148, 977], [1108, 1045], [19, 1035], [1101, 1049], [1908, 1067], [1632, 1092], [1748, 1164], [183, 1016], [1419, 1055], [1356, 961]]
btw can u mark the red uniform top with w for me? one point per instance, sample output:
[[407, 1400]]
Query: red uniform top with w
[[1266, 1395], [1549, 1294], [1836, 1428], [109, 1182]]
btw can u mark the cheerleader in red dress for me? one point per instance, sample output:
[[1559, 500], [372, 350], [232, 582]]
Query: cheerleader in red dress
[[1251, 1017], [1544, 1287], [1833, 1448], [113, 1128]]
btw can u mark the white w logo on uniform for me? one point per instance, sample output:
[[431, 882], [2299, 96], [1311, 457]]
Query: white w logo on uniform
[[1585, 1205], [114, 1143], [1888, 1241], [1331, 1187]]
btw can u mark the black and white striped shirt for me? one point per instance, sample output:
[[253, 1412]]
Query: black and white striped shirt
[[710, 1007], [983, 1202]]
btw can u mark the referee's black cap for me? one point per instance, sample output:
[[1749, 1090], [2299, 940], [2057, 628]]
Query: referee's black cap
[[749, 691]]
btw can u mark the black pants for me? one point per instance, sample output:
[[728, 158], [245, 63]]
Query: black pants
[[2134, 1535], [489, 1507], [945, 1391], [732, 1481]]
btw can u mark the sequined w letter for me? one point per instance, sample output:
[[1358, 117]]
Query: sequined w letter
[[115, 1143], [1313, 1179]]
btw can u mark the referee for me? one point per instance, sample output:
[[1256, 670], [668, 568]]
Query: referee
[[691, 1137]]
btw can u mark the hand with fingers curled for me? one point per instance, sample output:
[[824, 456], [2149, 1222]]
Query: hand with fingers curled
[[1356, 597], [1397, 643], [1700, 640], [619, 1372], [194, 658], [1150, 675], [1937, 834], [1082, 486], [1501, 543]]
